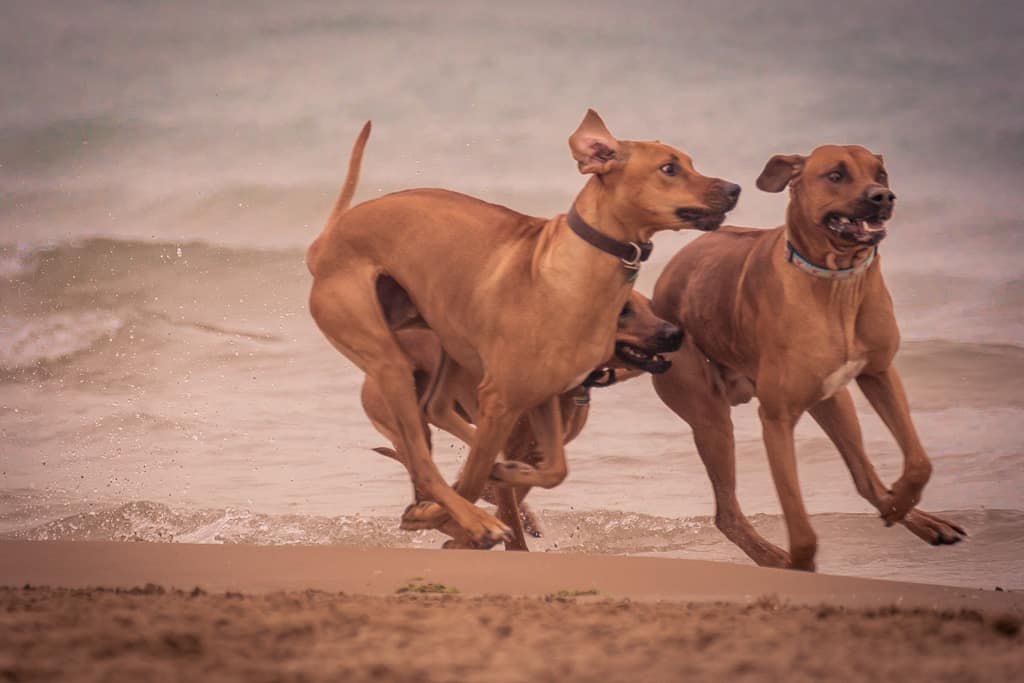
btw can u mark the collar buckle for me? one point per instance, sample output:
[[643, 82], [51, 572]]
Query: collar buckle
[[633, 263]]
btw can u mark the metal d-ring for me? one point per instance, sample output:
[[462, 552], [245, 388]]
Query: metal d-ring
[[633, 263]]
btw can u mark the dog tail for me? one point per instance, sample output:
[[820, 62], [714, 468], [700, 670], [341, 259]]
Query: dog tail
[[348, 188], [341, 204]]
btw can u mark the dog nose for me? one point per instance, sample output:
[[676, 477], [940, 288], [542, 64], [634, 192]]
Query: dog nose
[[670, 337], [731, 191], [880, 195]]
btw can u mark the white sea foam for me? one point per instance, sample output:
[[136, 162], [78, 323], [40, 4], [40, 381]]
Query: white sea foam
[[28, 342], [16, 262]]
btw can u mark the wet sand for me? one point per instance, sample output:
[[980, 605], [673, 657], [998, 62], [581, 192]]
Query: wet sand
[[140, 611]]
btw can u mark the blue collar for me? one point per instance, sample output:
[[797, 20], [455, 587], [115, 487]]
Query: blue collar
[[794, 257]]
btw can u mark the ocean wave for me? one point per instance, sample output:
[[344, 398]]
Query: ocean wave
[[850, 544], [39, 147], [27, 343], [59, 300], [925, 300], [98, 256], [155, 522], [601, 531], [18, 261]]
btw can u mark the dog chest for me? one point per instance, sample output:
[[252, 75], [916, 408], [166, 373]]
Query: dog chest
[[841, 377]]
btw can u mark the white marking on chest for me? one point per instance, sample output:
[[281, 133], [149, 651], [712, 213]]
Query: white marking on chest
[[841, 377]]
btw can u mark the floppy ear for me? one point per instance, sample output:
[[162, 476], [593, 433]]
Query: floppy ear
[[593, 147], [779, 170]]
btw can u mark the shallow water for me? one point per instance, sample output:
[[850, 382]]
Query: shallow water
[[163, 168]]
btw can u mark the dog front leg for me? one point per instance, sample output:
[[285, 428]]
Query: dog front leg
[[777, 425], [546, 422], [508, 512], [885, 392], [837, 417]]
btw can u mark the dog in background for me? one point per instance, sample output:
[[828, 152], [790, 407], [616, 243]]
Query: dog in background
[[449, 402]]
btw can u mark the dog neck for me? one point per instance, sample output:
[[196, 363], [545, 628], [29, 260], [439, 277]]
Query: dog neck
[[597, 206], [596, 282], [630, 254]]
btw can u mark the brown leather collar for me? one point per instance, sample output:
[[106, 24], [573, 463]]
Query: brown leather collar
[[630, 253]]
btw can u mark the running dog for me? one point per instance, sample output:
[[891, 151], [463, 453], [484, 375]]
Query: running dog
[[791, 315], [527, 304]]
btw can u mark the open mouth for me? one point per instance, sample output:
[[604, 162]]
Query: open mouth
[[653, 363], [701, 219], [862, 230]]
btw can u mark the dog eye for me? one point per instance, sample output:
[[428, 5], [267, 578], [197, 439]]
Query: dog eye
[[882, 177], [668, 169], [625, 312], [835, 176]]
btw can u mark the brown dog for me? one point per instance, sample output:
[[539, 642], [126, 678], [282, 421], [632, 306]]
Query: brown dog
[[451, 402], [527, 304], [791, 315]]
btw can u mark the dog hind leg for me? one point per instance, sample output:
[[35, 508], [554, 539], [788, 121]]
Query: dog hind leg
[[691, 389], [346, 308]]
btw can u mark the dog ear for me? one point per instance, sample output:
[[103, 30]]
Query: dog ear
[[593, 147], [779, 170]]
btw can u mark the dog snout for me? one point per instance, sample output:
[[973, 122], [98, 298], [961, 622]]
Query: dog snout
[[669, 337], [730, 193], [880, 196]]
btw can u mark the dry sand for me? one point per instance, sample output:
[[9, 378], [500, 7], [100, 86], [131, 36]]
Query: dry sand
[[136, 611]]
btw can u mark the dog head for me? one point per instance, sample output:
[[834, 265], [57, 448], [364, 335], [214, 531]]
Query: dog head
[[641, 337], [655, 186], [841, 190]]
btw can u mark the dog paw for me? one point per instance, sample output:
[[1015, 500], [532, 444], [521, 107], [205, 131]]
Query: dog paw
[[802, 564], [423, 515], [490, 535], [772, 556], [932, 529], [483, 529], [513, 473], [905, 495]]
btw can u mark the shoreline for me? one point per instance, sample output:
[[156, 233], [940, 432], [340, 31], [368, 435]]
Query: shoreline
[[379, 572]]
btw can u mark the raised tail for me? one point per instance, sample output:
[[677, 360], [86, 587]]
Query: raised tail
[[348, 188], [341, 204]]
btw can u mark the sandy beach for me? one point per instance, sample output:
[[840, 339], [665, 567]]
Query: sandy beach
[[190, 488], [141, 611]]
